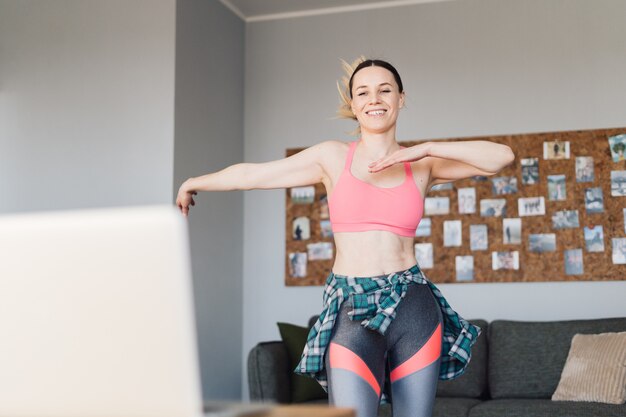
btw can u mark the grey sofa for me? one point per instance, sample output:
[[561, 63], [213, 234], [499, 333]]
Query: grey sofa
[[515, 368]]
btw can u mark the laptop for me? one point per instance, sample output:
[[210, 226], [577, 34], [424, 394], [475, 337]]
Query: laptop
[[97, 317]]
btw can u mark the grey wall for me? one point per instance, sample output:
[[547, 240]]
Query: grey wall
[[209, 137], [87, 120], [86, 103], [482, 67]]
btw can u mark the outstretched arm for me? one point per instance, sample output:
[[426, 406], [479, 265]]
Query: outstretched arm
[[302, 168], [451, 161]]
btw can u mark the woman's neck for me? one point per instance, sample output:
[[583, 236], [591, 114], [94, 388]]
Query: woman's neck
[[378, 145]]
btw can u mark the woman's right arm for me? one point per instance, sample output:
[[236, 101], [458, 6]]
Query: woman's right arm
[[303, 168]]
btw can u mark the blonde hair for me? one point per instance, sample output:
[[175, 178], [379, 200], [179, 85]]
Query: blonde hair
[[344, 111]]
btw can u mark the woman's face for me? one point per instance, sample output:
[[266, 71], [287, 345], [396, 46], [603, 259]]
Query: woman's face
[[376, 99]]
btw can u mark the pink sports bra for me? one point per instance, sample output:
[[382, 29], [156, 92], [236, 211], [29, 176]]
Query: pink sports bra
[[356, 206]]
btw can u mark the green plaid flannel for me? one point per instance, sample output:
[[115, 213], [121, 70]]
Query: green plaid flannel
[[375, 301]]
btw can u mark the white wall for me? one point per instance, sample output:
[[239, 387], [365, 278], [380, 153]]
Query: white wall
[[209, 136], [86, 103], [482, 67]]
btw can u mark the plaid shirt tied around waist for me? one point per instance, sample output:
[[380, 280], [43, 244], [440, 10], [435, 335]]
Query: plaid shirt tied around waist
[[374, 302]]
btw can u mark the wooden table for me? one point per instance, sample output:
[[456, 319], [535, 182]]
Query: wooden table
[[275, 410], [307, 411]]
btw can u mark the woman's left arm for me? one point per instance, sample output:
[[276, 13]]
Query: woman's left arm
[[451, 161], [487, 157]]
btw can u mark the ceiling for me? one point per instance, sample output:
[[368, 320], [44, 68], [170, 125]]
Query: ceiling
[[257, 10]]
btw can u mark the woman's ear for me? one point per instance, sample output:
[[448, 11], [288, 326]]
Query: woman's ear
[[402, 97]]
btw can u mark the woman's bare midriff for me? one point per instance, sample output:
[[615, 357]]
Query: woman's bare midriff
[[372, 252]]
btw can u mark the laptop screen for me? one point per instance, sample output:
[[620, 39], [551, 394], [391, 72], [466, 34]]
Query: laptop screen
[[96, 314]]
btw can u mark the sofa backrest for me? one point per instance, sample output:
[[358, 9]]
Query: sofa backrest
[[473, 382], [526, 358]]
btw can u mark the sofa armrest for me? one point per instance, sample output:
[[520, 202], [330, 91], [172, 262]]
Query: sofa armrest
[[268, 373]]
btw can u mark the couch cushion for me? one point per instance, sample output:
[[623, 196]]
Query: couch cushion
[[473, 382], [526, 358], [545, 408], [268, 373], [595, 369], [303, 388], [453, 407]]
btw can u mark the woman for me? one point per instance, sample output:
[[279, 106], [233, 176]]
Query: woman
[[365, 336]]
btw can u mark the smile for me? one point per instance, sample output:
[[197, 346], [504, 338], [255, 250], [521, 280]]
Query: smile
[[375, 113]]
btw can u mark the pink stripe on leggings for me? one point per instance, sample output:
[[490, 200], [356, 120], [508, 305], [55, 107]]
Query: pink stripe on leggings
[[343, 358], [427, 354]]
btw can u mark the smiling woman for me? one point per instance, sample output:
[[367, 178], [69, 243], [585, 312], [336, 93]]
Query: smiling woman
[[376, 192], [377, 99], [386, 87]]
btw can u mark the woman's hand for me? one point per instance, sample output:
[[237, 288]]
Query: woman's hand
[[410, 154], [185, 198]]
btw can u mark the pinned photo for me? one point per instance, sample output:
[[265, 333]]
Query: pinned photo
[[452, 233], [464, 268], [618, 183], [493, 207], [512, 231], [594, 239], [424, 255], [594, 202], [617, 144], [301, 229], [467, 200], [320, 250], [530, 171], [436, 205], [573, 262], [619, 250], [423, 228], [531, 206], [297, 264], [556, 187], [324, 214], [303, 195], [556, 150], [504, 185], [542, 242], [584, 169], [326, 227], [565, 219], [505, 260], [441, 187], [478, 237]]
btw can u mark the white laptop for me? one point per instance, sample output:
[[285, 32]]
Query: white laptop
[[96, 315]]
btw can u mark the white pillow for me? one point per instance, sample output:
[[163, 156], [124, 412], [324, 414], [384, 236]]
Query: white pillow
[[595, 369]]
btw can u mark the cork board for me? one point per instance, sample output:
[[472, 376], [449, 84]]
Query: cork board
[[577, 233]]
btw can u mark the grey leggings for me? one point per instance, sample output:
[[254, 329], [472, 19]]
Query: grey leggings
[[356, 358]]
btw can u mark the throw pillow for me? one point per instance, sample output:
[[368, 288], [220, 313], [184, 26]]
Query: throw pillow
[[303, 388], [595, 369]]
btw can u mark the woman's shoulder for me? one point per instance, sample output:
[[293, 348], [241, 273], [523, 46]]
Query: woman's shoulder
[[334, 153]]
